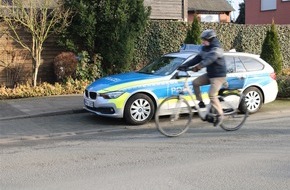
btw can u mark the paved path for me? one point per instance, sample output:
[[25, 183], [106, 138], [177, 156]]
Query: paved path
[[31, 107]]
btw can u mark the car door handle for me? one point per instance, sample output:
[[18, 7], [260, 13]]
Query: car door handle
[[241, 77]]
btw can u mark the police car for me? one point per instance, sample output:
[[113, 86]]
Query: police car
[[134, 96]]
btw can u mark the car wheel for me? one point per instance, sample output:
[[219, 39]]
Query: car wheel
[[253, 99], [139, 109]]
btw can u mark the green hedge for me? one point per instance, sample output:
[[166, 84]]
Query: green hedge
[[162, 37], [283, 86]]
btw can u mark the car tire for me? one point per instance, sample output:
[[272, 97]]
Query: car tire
[[139, 109], [253, 100]]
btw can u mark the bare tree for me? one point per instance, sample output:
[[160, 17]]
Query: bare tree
[[11, 60], [40, 18]]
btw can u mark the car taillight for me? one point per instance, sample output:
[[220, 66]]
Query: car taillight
[[273, 76]]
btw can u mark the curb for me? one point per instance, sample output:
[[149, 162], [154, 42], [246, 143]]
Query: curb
[[52, 113]]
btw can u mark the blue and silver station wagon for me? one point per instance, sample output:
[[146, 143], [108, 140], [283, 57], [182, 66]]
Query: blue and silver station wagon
[[134, 96]]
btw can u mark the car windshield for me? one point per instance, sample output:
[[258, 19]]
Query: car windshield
[[163, 66]]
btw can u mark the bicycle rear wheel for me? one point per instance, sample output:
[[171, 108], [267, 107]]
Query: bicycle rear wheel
[[173, 116], [233, 118]]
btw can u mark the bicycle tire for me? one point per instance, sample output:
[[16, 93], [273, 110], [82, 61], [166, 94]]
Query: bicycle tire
[[233, 119], [173, 116]]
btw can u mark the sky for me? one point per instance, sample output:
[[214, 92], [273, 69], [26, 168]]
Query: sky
[[235, 5]]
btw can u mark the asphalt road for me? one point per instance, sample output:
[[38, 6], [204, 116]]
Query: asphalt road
[[82, 151]]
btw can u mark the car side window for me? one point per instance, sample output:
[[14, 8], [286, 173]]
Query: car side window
[[230, 63], [251, 64], [239, 65]]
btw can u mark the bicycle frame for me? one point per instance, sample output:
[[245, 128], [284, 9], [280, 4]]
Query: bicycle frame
[[203, 114], [187, 89]]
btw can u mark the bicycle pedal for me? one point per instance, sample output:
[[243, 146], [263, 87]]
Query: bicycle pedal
[[227, 110], [201, 109], [194, 109], [210, 119]]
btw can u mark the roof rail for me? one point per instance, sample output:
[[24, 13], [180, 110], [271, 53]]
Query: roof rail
[[190, 48]]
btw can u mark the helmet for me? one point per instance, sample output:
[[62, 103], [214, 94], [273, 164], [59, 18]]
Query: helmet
[[208, 34]]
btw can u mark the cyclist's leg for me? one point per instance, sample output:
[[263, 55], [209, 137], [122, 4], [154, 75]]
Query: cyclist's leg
[[216, 84], [200, 81]]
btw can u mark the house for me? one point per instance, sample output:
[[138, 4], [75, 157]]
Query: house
[[15, 61], [183, 10], [264, 11], [210, 10], [167, 9]]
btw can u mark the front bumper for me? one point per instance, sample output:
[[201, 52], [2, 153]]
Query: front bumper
[[102, 107]]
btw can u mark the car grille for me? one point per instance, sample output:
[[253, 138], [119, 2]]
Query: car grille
[[91, 95], [103, 110]]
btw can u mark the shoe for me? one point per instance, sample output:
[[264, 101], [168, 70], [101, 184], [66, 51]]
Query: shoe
[[201, 104], [218, 121]]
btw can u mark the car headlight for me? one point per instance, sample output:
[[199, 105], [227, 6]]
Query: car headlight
[[111, 95]]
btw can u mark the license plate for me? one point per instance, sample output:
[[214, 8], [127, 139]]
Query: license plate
[[89, 103]]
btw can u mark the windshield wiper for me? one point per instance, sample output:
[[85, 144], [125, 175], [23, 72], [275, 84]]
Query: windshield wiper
[[145, 72]]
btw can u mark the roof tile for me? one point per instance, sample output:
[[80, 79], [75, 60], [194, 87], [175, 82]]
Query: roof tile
[[209, 5]]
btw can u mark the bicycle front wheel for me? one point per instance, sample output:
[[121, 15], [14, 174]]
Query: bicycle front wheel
[[173, 116], [233, 118]]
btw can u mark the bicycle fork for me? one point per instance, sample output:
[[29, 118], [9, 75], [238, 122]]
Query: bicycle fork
[[175, 115]]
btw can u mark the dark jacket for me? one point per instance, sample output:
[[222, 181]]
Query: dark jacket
[[212, 58]]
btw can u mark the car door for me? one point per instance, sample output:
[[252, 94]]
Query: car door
[[236, 72], [176, 85]]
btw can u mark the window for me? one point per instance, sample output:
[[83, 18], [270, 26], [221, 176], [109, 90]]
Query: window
[[230, 63], [234, 65], [251, 64], [242, 64], [268, 5], [209, 18], [163, 66], [239, 66]]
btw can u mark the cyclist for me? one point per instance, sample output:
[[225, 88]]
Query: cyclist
[[211, 57]]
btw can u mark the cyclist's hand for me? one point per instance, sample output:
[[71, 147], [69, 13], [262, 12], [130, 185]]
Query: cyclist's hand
[[196, 68]]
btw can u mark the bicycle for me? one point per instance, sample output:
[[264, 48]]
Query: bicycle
[[174, 114]]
